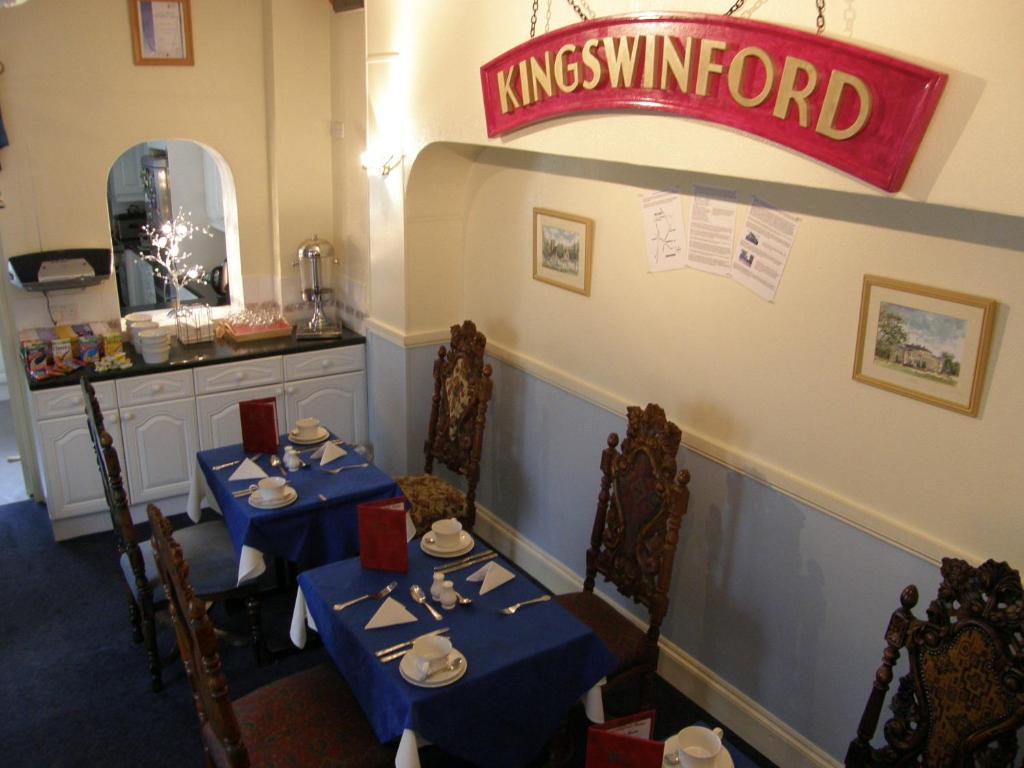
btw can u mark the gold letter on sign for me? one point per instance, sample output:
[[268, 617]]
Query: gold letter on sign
[[705, 67], [591, 62], [833, 94], [788, 91], [561, 68], [670, 61], [506, 93], [736, 69], [540, 76], [620, 62]]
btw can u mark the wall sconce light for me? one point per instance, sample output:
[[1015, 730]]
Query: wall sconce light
[[377, 164]]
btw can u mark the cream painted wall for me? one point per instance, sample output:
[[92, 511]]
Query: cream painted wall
[[73, 101], [762, 387]]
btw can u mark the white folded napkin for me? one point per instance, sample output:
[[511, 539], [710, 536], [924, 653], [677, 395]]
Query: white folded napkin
[[421, 668], [247, 470], [330, 453], [391, 612], [319, 452], [410, 528], [492, 575]]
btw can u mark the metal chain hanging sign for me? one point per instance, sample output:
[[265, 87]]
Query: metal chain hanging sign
[[862, 112]]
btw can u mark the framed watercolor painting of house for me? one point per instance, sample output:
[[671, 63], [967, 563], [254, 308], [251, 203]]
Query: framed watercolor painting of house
[[562, 245], [927, 343]]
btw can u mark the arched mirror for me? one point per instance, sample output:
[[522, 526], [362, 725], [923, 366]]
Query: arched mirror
[[153, 183]]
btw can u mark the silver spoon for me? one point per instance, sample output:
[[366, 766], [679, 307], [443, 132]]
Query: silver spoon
[[451, 666], [417, 594], [375, 595], [336, 470], [516, 606], [463, 600], [275, 461]]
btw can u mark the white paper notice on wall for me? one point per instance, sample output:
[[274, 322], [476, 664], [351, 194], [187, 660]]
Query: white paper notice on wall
[[763, 251], [712, 230], [664, 231]]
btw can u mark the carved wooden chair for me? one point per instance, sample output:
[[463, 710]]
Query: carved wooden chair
[[962, 701], [462, 388], [208, 545], [633, 543], [307, 719]]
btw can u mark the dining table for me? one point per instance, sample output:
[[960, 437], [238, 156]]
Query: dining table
[[523, 671], [318, 527]]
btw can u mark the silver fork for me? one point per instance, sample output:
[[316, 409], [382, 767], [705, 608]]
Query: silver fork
[[516, 606], [375, 595], [336, 470]]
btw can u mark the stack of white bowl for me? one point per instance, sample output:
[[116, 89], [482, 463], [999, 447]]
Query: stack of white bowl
[[135, 322], [154, 344]]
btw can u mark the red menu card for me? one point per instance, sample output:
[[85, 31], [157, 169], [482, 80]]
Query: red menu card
[[382, 542], [259, 425], [624, 743]]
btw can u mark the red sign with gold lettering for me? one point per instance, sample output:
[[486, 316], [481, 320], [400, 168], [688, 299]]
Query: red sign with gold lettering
[[859, 111]]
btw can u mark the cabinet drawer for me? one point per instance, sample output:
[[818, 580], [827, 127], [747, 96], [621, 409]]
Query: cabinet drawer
[[232, 376], [322, 362], [68, 401], [154, 388]]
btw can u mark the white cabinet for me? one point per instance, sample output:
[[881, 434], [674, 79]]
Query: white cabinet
[[339, 402], [158, 421], [218, 415], [160, 441], [126, 176], [71, 472]]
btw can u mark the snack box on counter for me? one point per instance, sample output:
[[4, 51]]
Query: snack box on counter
[[55, 351]]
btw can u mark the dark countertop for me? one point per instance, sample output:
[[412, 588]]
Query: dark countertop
[[208, 353]]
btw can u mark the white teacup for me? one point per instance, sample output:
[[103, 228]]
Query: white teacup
[[429, 654], [271, 489], [447, 533], [307, 429], [698, 746]]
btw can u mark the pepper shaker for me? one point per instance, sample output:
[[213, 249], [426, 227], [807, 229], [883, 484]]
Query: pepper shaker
[[448, 596], [437, 587]]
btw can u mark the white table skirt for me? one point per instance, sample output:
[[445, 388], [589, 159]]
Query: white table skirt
[[251, 563], [408, 755]]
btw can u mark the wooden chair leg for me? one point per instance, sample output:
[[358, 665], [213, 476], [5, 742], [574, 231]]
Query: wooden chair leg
[[135, 616], [254, 612], [152, 650]]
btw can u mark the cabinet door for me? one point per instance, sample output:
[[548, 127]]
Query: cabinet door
[[71, 474], [160, 444], [339, 402], [218, 415]]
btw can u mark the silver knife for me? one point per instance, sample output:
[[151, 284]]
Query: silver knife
[[384, 652], [227, 464], [466, 563]]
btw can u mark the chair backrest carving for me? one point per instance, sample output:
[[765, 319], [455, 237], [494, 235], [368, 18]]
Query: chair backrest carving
[[197, 643], [458, 410], [639, 509], [113, 488], [962, 700]]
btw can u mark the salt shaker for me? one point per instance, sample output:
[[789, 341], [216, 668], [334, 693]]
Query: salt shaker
[[437, 587], [291, 458], [448, 596]]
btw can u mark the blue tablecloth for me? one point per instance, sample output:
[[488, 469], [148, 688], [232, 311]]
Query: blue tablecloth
[[308, 532], [524, 671]]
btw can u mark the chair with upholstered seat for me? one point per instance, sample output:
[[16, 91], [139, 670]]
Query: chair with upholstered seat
[[962, 701], [458, 410], [633, 542], [208, 545], [309, 719]]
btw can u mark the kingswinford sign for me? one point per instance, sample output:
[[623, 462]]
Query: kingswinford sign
[[856, 110]]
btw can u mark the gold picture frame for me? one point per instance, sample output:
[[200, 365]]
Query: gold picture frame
[[161, 32], [930, 344], [562, 249]]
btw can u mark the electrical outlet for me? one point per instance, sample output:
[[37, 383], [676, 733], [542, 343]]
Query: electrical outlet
[[337, 129], [3, 203]]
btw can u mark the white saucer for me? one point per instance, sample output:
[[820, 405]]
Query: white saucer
[[722, 760], [436, 551], [290, 495], [321, 435], [437, 681]]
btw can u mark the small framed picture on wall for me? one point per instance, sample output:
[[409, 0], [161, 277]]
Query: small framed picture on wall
[[161, 32], [927, 343], [562, 245]]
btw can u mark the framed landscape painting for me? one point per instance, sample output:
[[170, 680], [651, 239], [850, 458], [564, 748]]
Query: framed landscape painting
[[562, 249], [922, 342]]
